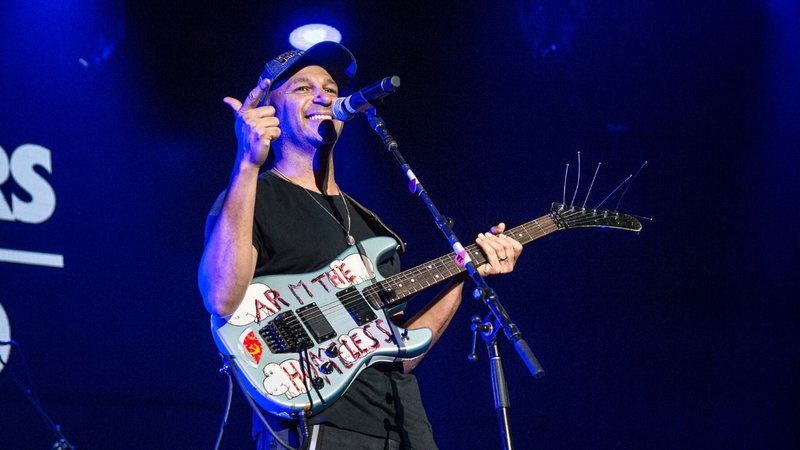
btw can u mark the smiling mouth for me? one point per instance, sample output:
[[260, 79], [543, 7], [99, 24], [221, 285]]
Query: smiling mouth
[[320, 117]]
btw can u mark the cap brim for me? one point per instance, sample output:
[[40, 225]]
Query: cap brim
[[331, 56]]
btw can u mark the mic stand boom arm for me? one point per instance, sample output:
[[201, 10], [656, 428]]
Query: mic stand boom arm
[[462, 258]]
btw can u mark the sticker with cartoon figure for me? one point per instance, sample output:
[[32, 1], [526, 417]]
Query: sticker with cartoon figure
[[286, 378]]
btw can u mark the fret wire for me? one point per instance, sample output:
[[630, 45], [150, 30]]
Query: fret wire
[[536, 222], [516, 233], [527, 229]]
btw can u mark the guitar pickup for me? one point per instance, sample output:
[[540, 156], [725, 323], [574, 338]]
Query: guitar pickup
[[285, 334], [356, 305], [316, 322]]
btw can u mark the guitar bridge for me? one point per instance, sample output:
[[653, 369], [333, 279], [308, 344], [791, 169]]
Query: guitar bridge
[[285, 334]]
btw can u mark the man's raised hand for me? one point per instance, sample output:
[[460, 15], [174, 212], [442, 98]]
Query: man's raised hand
[[256, 127]]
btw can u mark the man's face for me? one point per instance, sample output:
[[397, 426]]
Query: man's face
[[303, 105]]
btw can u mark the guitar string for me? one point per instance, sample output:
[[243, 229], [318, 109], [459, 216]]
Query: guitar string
[[515, 232], [355, 295], [335, 309], [332, 308], [448, 258], [473, 249], [412, 274], [374, 289], [437, 265]]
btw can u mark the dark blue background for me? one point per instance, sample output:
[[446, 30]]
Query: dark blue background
[[682, 336]]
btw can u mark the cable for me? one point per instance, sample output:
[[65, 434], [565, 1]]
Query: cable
[[257, 410], [61, 443], [10, 343], [226, 368]]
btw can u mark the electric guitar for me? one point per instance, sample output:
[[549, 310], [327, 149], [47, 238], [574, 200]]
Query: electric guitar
[[297, 342]]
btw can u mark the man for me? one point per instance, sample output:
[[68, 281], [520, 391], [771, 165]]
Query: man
[[295, 219]]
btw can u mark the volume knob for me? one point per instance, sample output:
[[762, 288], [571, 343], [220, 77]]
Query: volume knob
[[332, 351], [326, 368]]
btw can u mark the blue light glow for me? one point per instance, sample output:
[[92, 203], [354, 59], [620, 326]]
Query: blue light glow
[[305, 36]]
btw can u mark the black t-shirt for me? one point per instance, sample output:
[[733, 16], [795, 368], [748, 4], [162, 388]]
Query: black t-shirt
[[294, 232]]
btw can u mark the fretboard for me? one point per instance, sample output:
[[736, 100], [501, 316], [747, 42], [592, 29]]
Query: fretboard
[[395, 289]]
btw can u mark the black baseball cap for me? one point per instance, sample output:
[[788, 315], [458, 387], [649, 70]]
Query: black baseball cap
[[331, 56]]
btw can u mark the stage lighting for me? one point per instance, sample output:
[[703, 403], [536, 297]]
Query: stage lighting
[[307, 35]]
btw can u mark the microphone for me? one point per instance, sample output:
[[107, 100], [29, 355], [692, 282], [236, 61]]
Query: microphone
[[344, 108]]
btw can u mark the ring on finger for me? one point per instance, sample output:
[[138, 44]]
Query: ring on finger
[[502, 259]]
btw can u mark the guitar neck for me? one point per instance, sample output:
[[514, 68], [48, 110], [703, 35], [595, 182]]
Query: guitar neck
[[397, 288]]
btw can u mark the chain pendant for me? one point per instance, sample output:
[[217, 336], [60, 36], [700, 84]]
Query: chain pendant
[[351, 241]]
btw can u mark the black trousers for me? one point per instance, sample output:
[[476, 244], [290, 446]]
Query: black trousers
[[331, 438]]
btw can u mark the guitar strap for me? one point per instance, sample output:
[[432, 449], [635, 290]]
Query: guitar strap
[[375, 222]]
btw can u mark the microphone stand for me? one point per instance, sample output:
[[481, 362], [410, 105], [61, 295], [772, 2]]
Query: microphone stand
[[482, 291], [61, 443]]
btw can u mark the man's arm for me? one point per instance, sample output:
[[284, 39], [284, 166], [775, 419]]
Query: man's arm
[[501, 253], [229, 258]]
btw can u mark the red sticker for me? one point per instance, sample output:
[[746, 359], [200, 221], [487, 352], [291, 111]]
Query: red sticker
[[252, 346]]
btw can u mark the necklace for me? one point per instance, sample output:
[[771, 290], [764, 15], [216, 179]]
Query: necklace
[[349, 239]]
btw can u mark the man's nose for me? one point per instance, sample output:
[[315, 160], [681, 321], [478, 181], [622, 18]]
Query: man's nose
[[323, 97]]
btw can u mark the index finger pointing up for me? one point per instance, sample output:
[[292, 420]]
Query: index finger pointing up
[[255, 95]]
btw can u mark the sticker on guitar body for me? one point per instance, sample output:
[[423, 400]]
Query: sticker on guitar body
[[250, 347], [290, 378], [262, 301]]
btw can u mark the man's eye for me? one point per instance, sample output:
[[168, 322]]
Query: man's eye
[[332, 91], [302, 88]]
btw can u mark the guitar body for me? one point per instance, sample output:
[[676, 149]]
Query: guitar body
[[299, 341]]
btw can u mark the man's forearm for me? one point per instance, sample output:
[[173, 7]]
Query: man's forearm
[[436, 316], [228, 260]]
